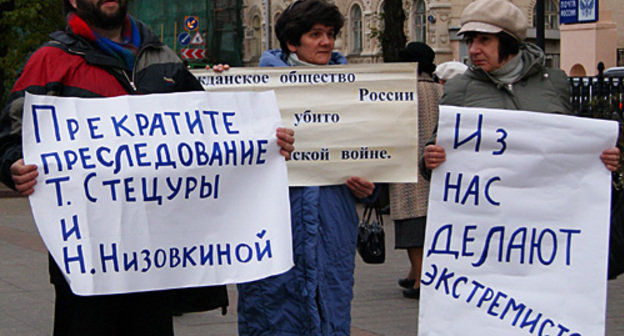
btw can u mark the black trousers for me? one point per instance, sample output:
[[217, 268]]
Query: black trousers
[[135, 314]]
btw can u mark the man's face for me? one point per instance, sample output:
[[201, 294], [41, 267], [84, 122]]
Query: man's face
[[104, 14], [483, 51], [316, 45]]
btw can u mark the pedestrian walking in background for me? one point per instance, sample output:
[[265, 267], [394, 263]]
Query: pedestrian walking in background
[[504, 72], [314, 297], [408, 201], [103, 52]]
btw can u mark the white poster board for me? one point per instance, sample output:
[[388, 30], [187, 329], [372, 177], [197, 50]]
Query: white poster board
[[518, 225], [349, 120], [139, 193]]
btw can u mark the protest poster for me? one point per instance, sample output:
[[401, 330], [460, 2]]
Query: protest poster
[[139, 193], [518, 225], [349, 120]]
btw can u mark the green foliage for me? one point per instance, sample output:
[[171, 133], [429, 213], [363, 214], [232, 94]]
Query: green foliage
[[25, 25], [376, 33]]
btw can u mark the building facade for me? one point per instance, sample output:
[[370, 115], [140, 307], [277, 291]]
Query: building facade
[[585, 45], [435, 22], [617, 13]]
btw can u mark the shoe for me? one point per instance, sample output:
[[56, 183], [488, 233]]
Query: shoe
[[412, 293], [407, 283]]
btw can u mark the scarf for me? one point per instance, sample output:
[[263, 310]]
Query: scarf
[[293, 60], [510, 72], [124, 52]]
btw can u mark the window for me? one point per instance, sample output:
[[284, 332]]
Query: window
[[257, 37], [356, 29], [420, 21], [551, 15]]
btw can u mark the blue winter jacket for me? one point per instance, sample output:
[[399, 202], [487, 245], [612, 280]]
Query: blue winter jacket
[[314, 297]]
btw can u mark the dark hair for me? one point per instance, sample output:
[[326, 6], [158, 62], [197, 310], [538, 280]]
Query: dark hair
[[421, 53], [508, 45], [298, 18], [68, 7]]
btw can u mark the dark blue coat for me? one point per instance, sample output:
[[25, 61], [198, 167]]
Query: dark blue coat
[[314, 297]]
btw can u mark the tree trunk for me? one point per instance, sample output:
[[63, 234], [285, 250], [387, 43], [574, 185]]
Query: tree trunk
[[393, 38]]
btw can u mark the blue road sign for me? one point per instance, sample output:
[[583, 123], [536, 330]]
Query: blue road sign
[[184, 39], [191, 23]]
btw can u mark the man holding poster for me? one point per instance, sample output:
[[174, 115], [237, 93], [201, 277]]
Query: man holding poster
[[507, 73], [103, 53]]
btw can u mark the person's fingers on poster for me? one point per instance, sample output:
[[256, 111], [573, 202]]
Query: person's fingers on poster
[[219, 67], [360, 187], [24, 177], [286, 141], [434, 156], [611, 158]]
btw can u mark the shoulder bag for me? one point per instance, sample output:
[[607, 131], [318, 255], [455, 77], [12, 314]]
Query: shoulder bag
[[371, 237]]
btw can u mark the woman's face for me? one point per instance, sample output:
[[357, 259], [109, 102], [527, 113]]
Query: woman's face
[[483, 51], [315, 45]]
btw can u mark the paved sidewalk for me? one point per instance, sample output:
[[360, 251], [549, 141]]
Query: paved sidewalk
[[26, 297]]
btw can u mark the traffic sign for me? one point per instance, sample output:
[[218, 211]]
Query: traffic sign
[[197, 39], [184, 39], [191, 23], [190, 53]]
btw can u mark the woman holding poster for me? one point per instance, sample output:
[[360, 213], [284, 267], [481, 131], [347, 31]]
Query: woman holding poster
[[314, 297], [504, 72]]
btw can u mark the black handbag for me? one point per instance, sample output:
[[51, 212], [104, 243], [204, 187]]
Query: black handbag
[[371, 237]]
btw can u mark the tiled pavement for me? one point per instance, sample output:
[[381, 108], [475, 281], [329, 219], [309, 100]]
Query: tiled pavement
[[26, 297]]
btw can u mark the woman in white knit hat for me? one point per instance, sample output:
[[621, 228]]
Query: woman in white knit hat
[[448, 70]]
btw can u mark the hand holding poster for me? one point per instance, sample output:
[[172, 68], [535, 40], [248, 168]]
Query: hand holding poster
[[517, 228], [349, 120], [138, 193]]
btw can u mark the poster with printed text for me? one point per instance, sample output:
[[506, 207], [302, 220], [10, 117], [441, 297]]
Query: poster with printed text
[[518, 225], [139, 193], [349, 120]]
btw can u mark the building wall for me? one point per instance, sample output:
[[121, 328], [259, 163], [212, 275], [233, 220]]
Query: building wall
[[584, 45], [617, 15], [441, 27]]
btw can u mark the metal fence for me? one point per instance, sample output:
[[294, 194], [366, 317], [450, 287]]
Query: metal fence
[[601, 97], [598, 97]]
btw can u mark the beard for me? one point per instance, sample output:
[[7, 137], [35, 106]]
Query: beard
[[94, 16]]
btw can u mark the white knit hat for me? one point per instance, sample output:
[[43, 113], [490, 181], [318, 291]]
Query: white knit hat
[[447, 70]]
